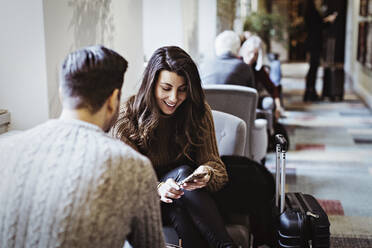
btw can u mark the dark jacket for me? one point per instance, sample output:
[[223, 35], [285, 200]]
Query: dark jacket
[[226, 69], [314, 27]]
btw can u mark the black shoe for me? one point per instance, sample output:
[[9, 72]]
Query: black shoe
[[311, 96]]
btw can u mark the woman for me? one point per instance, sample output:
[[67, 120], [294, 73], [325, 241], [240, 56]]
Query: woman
[[252, 53], [169, 122]]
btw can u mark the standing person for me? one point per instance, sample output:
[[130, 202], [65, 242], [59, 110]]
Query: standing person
[[275, 68], [169, 122], [314, 25], [66, 183], [275, 73]]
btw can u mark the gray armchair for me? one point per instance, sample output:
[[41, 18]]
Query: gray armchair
[[231, 133], [241, 101]]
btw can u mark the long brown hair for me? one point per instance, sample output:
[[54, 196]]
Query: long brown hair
[[142, 116]]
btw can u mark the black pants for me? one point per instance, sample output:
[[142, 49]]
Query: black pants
[[196, 217], [311, 74]]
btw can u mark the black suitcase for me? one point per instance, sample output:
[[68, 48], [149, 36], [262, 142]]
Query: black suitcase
[[333, 76], [302, 222], [333, 82]]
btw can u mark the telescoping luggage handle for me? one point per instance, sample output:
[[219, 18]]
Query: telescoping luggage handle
[[281, 148]]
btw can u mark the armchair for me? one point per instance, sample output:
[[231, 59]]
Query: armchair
[[241, 101], [231, 133]]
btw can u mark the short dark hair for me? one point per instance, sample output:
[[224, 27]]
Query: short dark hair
[[90, 75]]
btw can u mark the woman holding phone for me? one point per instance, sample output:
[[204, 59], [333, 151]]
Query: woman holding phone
[[169, 122]]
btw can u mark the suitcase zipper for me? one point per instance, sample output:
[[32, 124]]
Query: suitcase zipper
[[316, 216], [310, 211]]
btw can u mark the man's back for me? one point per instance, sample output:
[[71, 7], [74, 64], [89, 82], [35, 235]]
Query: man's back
[[226, 69], [67, 184]]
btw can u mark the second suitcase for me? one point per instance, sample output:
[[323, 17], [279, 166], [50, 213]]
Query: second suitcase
[[333, 82], [302, 222]]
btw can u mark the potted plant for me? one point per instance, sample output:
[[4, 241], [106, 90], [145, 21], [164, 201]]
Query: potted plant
[[267, 26]]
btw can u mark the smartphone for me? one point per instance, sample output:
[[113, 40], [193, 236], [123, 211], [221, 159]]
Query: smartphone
[[192, 177]]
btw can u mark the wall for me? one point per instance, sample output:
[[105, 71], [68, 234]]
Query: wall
[[357, 75], [162, 25], [207, 28], [39, 34], [190, 10], [189, 24], [71, 24], [23, 81]]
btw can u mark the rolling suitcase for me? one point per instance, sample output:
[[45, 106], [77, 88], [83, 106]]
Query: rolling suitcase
[[333, 76], [333, 82], [302, 222]]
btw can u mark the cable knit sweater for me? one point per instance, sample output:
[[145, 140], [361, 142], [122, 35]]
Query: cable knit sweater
[[65, 183], [163, 151]]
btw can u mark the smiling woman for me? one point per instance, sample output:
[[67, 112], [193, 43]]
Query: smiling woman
[[169, 122]]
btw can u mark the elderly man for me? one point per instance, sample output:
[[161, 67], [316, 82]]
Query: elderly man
[[65, 183], [227, 67]]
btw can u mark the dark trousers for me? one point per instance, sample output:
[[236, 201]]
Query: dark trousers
[[196, 216], [313, 69]]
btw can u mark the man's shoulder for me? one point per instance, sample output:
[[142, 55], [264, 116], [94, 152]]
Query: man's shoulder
[[226, 59], [121, 149], [125, 165], [123, 152], [235, 64], [224, 65]]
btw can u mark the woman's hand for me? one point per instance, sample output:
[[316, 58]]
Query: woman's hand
[[169, 190], [331, 18], [199, 183]]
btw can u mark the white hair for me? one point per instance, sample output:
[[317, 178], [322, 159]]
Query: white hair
[[252, 43], [227, 41]]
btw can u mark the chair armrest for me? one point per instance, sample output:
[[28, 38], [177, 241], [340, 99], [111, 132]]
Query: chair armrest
[[259, 140], [260, 124], [231, 133], [266, 114]]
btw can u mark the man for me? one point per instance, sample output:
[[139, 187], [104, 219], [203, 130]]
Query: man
[[65, 183], [227, 67]]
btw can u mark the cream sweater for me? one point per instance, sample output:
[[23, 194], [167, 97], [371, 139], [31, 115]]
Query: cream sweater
[[65, 183]]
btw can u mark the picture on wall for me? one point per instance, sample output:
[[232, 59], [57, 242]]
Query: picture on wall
[[362, 48], [369, 46], [363, 9]]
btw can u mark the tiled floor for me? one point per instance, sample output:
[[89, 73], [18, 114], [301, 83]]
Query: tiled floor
[[330, 154]]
